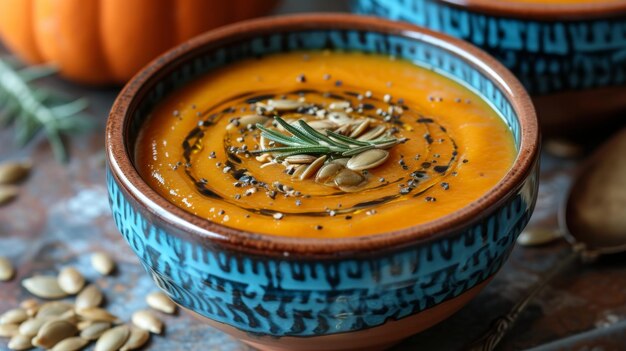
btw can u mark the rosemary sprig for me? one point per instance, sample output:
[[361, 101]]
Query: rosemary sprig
[[304, 139], [33, 109]]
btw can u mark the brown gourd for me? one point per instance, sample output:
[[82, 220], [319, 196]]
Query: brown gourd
[[108, 41]]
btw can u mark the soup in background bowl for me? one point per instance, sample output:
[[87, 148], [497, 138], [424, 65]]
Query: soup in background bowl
[[432, 151], [568, 54]]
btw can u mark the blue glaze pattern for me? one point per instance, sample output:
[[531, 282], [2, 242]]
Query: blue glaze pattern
[[282, 296], [547, 56]]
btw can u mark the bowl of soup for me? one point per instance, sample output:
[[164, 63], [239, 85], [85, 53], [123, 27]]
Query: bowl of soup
[[568, 54], [322, 182]]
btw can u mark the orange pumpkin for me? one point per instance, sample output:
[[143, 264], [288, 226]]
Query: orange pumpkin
[[107, 41]]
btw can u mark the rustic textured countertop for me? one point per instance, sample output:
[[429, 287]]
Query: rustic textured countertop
[[62, 215]]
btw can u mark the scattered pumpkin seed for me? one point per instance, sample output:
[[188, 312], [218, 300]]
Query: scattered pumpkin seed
[[138, 337], [20, 342], [6, 269], [298, 171], [96, 314], [349, 181], [52, 332], [53, 309], [372, 133], [8, 193], [322, 125], [74, 343], [339, 118], [300, 159], [313, 167], [113, 339], [44, 286], [245, 121], [537, 236], [31, 327], [338, 105], [145, 319], [360, 128], [9, 330], [91, 296], [14, 316], [367, 159], [285, 104], [94, 330], [31, 306], [82, 325], [102, 263], [70, 280], [13, 171], [161, 302], [327, 172]]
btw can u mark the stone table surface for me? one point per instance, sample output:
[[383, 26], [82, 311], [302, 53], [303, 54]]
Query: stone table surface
[[62, 215]]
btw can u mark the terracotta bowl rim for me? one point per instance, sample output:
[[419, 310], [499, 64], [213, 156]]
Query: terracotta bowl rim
[[566, 12], [205, 232]]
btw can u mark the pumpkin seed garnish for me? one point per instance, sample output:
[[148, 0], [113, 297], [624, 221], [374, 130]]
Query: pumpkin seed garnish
[[367, 159], [44, 286], [6, 269], [313, 167], [349, 181], [285, 104], [113, 339], [146, 320], [161, 302]]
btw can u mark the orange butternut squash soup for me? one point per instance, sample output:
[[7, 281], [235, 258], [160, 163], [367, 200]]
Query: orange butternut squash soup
[[323, 145]]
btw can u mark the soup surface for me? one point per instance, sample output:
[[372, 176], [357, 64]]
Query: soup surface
[[380, 144]]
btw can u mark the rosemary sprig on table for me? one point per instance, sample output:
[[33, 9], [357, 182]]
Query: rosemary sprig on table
[[305, 139], [33, 109]]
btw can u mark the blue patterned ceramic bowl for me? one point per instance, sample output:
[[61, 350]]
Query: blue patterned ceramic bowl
[[361, 293], [571, 58]]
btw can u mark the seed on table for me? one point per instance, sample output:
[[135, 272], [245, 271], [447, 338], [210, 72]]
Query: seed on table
[[31, 306], [161, 302], [138, 337], [9, 330], [145, 319], [91, 296], [537, 236], [53, 309], [8, 193], [113, 339], [14, 316], [74, 343], [44, 286], [52, 332], [102, 263], [6, 269], [31, 327], [70, 280], [95, 330], [13, 171], [96, 314], [20, 342]]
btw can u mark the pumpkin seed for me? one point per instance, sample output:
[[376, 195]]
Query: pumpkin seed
[[20, 342], [96, 314], [7, 193], [53, 309], [339, 105], [537, 236], [102, 263], [145, 319], [321, 125], [95, 330], [82, 325], [91, 296], [367, 159], [285, 104], [373, 133], [327, 172], [6, 269], [300, 159], [313, 167], [44, 286], [14, 316], [138, 337], [298, 171], [31, 306], [113, 339], [245, 121], [31, 327], [349, 181], [52, 332], [13, 171], [9, 330], [341, 161], [344, 129], [564, 148], [71, 344], [339, 117], [360, 128], [70, 280], [161, 302]]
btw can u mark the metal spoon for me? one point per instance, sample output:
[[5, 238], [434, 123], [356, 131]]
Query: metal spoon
[[587, 246]]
